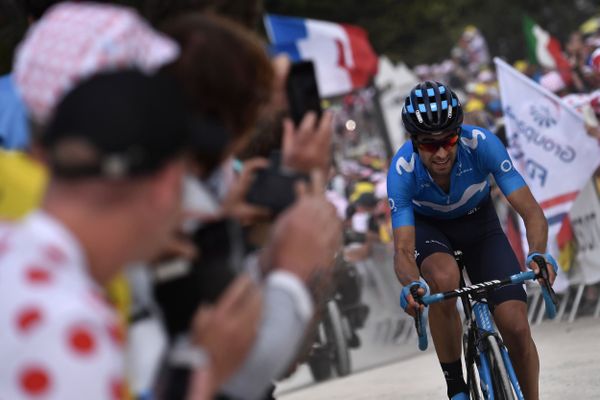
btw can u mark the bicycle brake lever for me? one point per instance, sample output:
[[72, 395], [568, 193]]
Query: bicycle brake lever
[[419, 324], [548, 293]]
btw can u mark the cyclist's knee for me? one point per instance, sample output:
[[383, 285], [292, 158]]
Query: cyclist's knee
[[517, 330], [441, 272], [513, 322]]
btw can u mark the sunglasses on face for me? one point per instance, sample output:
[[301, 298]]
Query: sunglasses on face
[[433, 147]]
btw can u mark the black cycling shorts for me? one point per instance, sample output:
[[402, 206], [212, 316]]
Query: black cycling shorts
[[487, 254]]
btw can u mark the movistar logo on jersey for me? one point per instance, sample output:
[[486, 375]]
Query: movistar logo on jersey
[[541, 115], [469, 192], [407, 166], [473, 142]]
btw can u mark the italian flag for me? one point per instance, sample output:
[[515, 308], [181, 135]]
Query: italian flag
[[545, 50]]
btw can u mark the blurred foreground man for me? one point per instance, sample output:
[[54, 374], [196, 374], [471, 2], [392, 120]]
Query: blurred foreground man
[[116, 152]]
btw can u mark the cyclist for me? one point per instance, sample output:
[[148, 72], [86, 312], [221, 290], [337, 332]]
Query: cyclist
[[439, 194]]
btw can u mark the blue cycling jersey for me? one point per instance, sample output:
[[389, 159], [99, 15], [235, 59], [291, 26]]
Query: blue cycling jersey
[[412, 189]]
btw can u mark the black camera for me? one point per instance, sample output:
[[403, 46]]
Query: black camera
[[274, 188]]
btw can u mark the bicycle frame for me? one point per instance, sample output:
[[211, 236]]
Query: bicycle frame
[[479, 323], [483, 341]]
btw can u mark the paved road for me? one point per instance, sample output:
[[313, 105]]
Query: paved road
[[570, 358]]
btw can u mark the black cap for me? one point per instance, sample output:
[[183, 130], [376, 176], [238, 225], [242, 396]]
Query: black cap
[[367, 199], [117, 125]]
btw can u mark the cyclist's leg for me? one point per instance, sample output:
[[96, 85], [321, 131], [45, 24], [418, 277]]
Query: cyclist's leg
[[441, 275], [438, 267], [492, 258], [511, 319], [510, 315]]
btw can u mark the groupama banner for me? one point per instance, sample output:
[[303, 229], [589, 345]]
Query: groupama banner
[[547, 142]]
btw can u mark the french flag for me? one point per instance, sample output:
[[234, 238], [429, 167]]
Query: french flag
[[343, 57]]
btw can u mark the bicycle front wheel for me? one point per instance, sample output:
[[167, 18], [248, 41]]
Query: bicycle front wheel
[[335, 333], [471, 354], [500, 379]]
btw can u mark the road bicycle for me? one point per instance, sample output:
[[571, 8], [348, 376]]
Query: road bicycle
[[490, 374], [342, 315]]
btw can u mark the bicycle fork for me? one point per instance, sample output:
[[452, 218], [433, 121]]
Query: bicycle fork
[[485, 324]]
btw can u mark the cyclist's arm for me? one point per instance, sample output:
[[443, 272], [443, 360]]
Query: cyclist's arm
[[494, 157], [405, 264], [406, 269], [401, 188], [536, 225]]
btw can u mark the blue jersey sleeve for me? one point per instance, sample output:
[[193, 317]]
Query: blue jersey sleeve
[[494, 158], [400, 187]]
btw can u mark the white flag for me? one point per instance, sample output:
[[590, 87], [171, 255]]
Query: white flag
[[547, 142]]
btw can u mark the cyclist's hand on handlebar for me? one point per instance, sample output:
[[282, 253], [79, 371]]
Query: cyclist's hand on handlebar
[[413, 306], [551, 264], [408, 302]]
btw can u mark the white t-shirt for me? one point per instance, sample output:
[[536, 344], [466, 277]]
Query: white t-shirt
[[59, 338]]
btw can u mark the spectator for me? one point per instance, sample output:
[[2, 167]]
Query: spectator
[[116, 153], [14, 130], [246, 13], [86, 38], [71, 42], [554, 82], [233, 89]]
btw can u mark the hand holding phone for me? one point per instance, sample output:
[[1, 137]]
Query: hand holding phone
[[273, 189], [308, 146], [302, 91]]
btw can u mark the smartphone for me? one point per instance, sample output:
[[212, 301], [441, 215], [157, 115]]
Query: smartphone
[[302, 91], [272, 189]]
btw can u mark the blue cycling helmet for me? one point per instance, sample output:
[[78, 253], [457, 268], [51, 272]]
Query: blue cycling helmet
[[430, 108]]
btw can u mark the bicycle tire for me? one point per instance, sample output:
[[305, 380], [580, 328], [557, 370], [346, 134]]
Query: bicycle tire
[[503, 389], [340, 342], [473, 381], [319, 359], [320, 369]]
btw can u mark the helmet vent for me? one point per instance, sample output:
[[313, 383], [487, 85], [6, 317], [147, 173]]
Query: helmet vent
[[419, 117], [431, 107]]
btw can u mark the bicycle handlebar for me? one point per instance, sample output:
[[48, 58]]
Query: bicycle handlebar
[[420, 323], [548, 294]]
